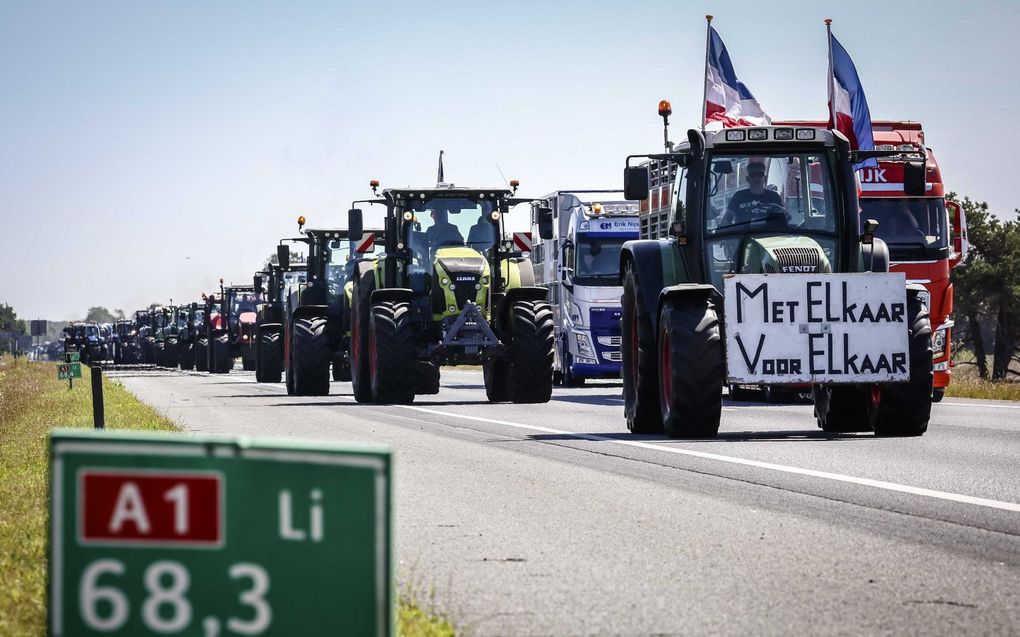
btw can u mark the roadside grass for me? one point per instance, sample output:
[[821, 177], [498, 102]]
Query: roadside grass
[[32, 401], [966, 383]]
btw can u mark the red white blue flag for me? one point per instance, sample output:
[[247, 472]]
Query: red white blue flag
[[727, 99], [848, 108]]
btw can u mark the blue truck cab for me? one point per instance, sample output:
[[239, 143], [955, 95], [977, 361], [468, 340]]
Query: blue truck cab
[[580, 266]]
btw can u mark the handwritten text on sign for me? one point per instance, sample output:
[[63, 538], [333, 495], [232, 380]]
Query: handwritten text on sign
[[832, 328]]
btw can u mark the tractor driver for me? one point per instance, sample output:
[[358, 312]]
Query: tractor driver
[[442, 232], [754, 202]]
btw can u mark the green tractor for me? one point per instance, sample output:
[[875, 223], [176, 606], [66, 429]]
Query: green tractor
[[161, 336], [449, 290], [754, 267], [274, 284], [317, 326]]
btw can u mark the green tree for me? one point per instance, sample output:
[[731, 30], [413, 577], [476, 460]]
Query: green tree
[[99, 315]]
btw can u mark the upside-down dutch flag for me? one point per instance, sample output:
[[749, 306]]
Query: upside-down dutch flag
[[848, 105], [727, 100]]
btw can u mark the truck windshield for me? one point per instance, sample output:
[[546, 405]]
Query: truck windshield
[[914, 228], [766, 195], [597, 261], [443, 222]]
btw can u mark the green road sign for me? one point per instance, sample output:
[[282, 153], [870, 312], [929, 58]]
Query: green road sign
[[68, 370], [213, 536], [72, 357]]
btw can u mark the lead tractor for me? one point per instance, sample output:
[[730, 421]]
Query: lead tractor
[[449, 290], [754, 266]]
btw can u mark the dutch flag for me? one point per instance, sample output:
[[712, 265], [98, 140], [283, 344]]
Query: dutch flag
[[727, 100], [848, 108]]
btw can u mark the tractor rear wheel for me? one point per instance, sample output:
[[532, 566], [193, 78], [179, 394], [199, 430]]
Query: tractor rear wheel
[[270, 357], [159, 353], [201, 354], [310, 357], [171, 357], [692, 368], [905, 408], [221, 360], [391, 345], [640, 384], [341, 371], [149, 350], [531, 352], [361, 382], [428, 378]]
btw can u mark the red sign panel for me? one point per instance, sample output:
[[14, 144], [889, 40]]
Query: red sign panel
[[151, 507]]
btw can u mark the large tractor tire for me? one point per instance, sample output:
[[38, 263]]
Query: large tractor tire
[[531, 352], [496, 375], [692, 368], [310, 357], [341, 370], [248, 360], [186, 355], [428, 379], [391, 345], [220, 360], [270, 358], [640, 376], [361, 381], [842, 408], [149, 350], [202, 354], [159, 353], [171, 354], [905, 408]]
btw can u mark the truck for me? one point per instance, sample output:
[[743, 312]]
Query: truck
[[925, 232], [449, 289], [317, 316], [580, 267], [761, 270]]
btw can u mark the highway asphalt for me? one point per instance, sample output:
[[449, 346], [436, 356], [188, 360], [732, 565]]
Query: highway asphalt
[[554, 520]]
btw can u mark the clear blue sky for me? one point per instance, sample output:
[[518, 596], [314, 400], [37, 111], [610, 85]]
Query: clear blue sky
[[149, 148]]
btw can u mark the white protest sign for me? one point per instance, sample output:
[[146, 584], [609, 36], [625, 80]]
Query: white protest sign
[[817, 328]]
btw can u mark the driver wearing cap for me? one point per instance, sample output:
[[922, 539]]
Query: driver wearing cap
[[753, 202]]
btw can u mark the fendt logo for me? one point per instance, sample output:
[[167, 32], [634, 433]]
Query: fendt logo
[[800, 268], [873, 176]]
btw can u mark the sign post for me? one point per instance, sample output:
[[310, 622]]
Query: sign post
[[166, 534], [70, 369]]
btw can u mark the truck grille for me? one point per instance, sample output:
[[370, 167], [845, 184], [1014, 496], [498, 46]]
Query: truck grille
[[615, 357], [610, 341], [797, 259]]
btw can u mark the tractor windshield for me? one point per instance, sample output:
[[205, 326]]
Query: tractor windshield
[[765, 195], [914, 228], [443, 222], [339, 252], [243, 302]]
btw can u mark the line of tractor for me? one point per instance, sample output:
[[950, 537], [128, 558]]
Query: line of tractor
[[713, 271]]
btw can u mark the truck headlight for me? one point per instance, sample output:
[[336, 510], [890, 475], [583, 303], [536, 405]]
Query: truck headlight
[[584, 347], [938, 343]]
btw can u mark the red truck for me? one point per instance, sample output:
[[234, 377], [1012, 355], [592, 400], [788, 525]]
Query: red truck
[[926, 235]]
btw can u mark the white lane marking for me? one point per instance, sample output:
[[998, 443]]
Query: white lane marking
[[837, 477], [977, 405]]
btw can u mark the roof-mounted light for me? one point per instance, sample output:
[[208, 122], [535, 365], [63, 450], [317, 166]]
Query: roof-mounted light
[[758, 134], [596, 209], [665, 108], [374, 183], [783, 134], [805, 134], [736, 135]]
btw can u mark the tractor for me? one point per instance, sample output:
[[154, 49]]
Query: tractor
[[214, 344], [127, 349], [273, 284], [241, 305], [187, 335], [316, 326], [449, 290], [754, 267], [163, 323]]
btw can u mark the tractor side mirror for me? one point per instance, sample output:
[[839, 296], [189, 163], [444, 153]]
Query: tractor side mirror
[[635, 183], [868, 236], [257, 280], [545, 223], [723, 167], [958, 224], [355, 224], [283, 255], [913, 179]]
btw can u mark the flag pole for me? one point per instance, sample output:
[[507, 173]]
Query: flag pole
[[832, 91], [704, 97]]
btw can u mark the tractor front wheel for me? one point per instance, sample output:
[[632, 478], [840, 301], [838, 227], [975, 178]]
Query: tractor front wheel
[[201, 354], [496, 375], [531, 352], [640, 387], [186, 354], [270, 357], [692, 368], [221, 360], [905, 408], [310, 357], [391, 345]]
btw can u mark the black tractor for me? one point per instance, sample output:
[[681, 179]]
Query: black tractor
[[317, 312], [127, 348], [450, 289], [216, 344], [273, 285]]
